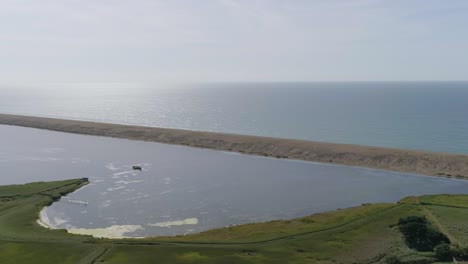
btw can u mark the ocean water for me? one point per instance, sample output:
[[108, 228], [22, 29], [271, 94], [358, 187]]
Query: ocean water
[[184, 190], [416, 115]]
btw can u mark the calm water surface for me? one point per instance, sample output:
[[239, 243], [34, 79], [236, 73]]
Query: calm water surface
[[418, 115], [184, 190]]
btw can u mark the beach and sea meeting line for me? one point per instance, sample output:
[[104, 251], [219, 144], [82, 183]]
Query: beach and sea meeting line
[[428, 116]]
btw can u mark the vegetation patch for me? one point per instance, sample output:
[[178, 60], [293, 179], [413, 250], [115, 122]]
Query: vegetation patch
[[420, 234], [365, 234], [191, 257]]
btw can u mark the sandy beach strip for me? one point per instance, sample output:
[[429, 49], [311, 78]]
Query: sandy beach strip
[[411, 161]]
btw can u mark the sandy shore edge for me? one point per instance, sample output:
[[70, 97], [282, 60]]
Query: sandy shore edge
[[112, 232], [411, 161]]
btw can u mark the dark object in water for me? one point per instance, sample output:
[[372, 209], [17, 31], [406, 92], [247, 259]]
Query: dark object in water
[[137, 168]]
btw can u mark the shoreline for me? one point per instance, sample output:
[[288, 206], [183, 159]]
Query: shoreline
[[400, 160], [110, 232], [353, 228]]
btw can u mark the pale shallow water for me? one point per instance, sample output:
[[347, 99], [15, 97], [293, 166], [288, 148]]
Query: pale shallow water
[[185, 190], [416, 115]]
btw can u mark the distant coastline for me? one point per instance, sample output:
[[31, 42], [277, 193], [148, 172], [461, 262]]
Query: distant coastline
[[411, 161]]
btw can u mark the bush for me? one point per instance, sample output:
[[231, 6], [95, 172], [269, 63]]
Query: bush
[[443, 252], [419, 234], [412, 219]]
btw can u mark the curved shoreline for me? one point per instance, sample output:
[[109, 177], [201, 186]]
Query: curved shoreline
[[111, 232], [278, 241], [411, 161]]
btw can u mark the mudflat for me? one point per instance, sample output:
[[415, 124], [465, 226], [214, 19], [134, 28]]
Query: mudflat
[[411, 161]]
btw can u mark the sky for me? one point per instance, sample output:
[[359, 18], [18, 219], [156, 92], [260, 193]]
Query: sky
[[232, 40]]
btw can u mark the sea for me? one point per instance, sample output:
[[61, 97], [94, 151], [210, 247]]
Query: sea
[[412, 115]]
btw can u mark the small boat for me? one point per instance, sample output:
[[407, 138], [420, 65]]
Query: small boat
[[135, 167]]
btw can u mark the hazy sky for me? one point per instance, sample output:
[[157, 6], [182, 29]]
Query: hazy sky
[[233, 40]]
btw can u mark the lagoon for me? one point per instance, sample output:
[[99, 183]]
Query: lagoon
[[184, 190]]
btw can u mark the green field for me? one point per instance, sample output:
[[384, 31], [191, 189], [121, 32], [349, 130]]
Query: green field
[[364, 234]]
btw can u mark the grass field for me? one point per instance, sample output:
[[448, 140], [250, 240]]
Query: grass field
[[364, 234]]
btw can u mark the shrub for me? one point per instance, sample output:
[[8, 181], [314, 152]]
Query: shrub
[[443, 252], [419, 234], [412, 219]]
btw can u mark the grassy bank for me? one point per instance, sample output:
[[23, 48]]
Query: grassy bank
[[364, 234], [421, 162]]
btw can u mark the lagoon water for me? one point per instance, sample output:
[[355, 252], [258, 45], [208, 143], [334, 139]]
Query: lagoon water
[[417, 115], [184, 190]]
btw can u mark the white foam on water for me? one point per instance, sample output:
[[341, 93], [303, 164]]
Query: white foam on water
[[58, 221], [188, 221], [111, 167], [44, 220], [41, 159], [126, 182], [115, 231], [41, 223], [106, 203], [167, 180], [165, 192], [79, 160], [76, 201], [111, 189], [122, 173], [52, 150]]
